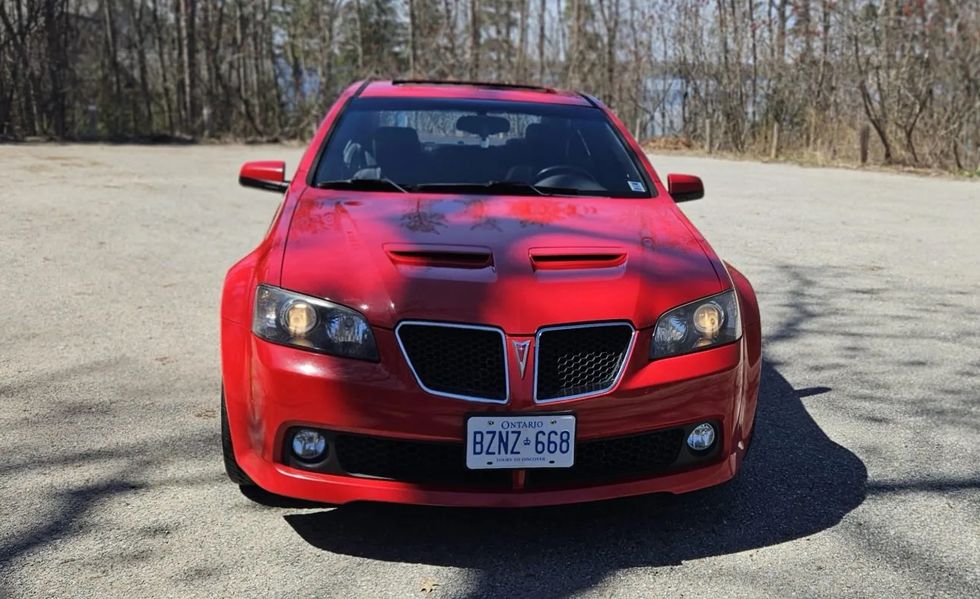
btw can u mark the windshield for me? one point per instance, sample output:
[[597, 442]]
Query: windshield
[[478, 146]]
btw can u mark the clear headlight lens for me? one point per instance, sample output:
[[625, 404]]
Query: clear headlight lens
[[311, 323], [707, 322]]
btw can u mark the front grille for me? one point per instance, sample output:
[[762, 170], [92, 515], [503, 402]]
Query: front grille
[[456, 360], [581, 359], [413, 461], [609, 459]]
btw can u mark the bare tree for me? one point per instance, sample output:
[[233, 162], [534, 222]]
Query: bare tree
[[770, 77]]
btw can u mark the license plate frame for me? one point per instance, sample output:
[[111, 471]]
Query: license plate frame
[[482, 452]]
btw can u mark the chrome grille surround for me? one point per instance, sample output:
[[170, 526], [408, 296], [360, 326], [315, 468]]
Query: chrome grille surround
[[448, 325], [627, 353]]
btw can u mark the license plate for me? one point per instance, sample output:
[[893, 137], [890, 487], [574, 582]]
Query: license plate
[[520, 441]]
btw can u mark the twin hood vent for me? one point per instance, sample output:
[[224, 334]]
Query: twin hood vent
[[474, 257]]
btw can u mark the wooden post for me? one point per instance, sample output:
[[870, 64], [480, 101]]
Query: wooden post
[[93, 120], [864, 136], [206, 120], [774, 146]]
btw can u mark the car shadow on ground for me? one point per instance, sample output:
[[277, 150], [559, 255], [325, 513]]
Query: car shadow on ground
[[795, 482]]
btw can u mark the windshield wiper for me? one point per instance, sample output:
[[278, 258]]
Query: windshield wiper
[[380, 184], [488, 187], [514, 185]]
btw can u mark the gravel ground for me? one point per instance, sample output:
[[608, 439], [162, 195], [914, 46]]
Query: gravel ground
[[864, 480]]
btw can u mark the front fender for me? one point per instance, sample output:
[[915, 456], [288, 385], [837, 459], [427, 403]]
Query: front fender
[[752, 371]]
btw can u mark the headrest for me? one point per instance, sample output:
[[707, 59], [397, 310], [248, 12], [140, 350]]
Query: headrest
[[396, 137], [539, 132]]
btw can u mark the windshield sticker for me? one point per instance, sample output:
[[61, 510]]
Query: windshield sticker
[[637, 186]]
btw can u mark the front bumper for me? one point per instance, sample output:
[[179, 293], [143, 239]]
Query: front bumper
[[271, 389]]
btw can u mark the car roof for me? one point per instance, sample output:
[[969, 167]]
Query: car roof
[[477, 90]]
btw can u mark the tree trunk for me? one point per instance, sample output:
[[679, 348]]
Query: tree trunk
[[162, 53], [412, 25], [112, 56], [189, 64], [522, 43], [542, 20], [475, 39], [57, 66], [774, 145]]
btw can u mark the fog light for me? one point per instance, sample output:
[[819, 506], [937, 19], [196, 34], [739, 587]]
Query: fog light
[[702, 437], [308, 444]]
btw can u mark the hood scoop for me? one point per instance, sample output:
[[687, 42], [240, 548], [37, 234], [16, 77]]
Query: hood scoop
[[576, 258], [439, 256]]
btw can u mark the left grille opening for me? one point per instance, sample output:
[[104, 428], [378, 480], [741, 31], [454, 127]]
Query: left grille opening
[[456, 360]]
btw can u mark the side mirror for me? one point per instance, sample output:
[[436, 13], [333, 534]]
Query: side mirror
[[684, 188], [269, 175]]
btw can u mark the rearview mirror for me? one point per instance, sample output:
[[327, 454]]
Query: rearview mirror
[[269, 175], [684, 188], [482, 125]]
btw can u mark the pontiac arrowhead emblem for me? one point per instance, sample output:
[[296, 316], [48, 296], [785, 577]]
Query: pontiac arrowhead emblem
[[520, 350]]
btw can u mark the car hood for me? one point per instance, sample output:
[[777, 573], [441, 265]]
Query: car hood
[[516, 262]]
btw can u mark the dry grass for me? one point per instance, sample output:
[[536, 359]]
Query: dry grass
[[822, 156]]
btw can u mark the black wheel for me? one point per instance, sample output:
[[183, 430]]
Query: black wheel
[[235, 473]]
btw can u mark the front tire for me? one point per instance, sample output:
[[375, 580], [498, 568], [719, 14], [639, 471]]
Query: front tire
[[234, 471]]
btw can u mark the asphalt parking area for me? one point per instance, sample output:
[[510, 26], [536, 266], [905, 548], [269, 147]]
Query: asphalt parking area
[[864, 479]]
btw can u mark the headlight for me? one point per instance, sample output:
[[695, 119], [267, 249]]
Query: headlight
[[705, 323], [311, 323]]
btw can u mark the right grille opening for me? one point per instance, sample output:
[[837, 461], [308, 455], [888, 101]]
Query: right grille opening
[[456, 360], [580, 360], [413, 461]]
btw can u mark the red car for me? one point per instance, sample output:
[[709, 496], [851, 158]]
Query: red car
[[482, 295]]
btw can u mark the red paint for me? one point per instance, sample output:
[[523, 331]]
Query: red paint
[[385, 89], [611, 259], [684, 187], [273, 171], [331, 234]]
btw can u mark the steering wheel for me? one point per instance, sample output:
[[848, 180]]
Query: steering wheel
[[562, 169]]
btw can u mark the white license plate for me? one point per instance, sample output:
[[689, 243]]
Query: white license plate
[[546, 441]]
